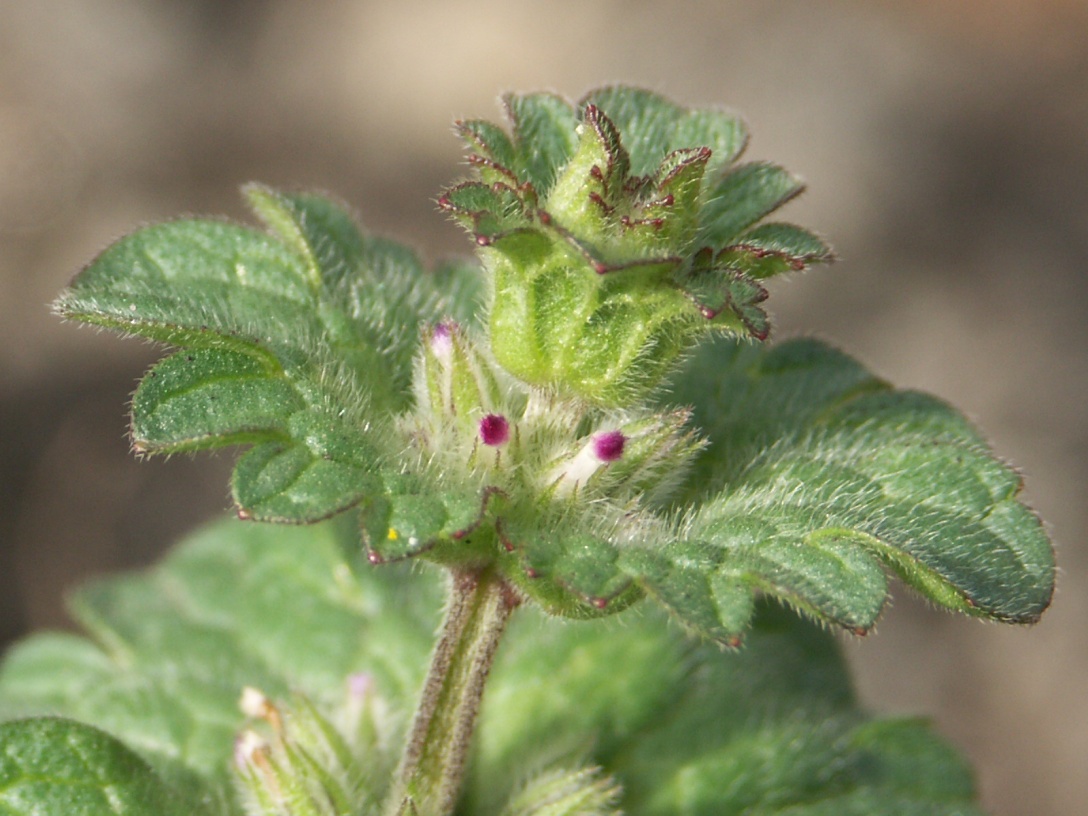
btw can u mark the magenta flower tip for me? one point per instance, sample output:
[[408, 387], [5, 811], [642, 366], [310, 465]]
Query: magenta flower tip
[[608, 446], [442, 337], [494, 430]]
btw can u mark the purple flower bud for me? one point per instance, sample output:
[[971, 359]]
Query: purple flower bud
[[494, 430], [442, 339], [360, 685], [608, 446]]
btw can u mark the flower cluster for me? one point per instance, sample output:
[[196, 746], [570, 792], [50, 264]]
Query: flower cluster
[[294, 760], [613, 235], [618, 232], [522, 440]]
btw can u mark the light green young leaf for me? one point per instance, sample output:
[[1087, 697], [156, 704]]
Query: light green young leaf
[[563, 566]]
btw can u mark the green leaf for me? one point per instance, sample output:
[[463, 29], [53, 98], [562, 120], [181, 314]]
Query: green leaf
[[689, 582], [488, 141], [211, 397], [652, 127], [373, 292], [744, 195], [563, 566], [746, 396], [201, 283], [57, 767], [291, 482], [319, 230], [307, 464], [544, 135], [289, 608], [278, 608], [300, 342], [415, 516], [646, 122], [486, 210], [582, 792], [663, 719], [789, 240], [816, 475], [723, 132]]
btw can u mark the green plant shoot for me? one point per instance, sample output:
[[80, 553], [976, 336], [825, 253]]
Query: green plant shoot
[[587, 419]]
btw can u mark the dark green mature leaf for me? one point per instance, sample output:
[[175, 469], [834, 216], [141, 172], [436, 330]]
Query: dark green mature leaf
[[562, 565], [414, 516], [293, 482], [279, 608], [653, 126], [816, 475], [544, 135], [287, 608], [211, 396], [300, 342], [789, 240], [687, 729], [57, 767], [201, 283], [743, 196]]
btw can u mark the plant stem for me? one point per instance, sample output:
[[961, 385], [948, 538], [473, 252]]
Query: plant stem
[[429, 777]]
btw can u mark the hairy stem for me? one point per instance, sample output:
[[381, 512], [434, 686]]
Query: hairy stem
[[429, 777]]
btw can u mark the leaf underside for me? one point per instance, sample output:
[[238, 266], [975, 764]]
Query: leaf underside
[[284, 608]]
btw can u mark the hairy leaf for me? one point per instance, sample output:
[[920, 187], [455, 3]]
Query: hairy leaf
[[817, 475], [51, 766], [653, 126], [246, 605], [544, 136], [299, 341], [743, 196], [789, 240]]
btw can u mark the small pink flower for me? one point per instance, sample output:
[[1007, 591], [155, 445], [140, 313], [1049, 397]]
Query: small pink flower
[[494, 430]]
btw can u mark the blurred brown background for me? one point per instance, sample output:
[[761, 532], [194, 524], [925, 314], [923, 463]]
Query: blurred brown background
[[946, 147]]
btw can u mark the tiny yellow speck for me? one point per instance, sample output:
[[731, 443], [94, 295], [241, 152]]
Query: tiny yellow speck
[[392, 534]]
